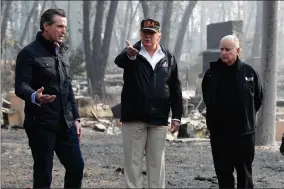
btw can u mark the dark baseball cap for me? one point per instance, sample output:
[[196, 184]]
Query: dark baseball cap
[[150, 24]]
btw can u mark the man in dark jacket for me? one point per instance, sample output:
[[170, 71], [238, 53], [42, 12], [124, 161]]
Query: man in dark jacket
[[233, 94], [52, 121], [151, 88]]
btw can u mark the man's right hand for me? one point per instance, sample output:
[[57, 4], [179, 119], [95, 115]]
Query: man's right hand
[[130, 50], [44, 98]]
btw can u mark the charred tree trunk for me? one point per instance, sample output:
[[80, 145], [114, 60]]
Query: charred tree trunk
[[43, 8], [86, 39], [145, 8], [155, 9], [203, 26], [102, 53], [281, 31], [69, 34], [28, 20], [35, 19], [184, 25], [265, 131], [97, 81], [256, 44], [116, 40], [239, 9], [109, 29], [126, 21], [54, 6], [36, 24], [168, 10], [131, 22], [5, 19], [248, 17], [229, 11], [223, 11]]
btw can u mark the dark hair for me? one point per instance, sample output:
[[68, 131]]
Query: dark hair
[[47, 16]]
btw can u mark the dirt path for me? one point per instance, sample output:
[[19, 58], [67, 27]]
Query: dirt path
[[103, 156]]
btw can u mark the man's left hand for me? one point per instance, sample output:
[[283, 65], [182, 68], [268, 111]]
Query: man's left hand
[[174, 126], [282, 148], [78, 130]]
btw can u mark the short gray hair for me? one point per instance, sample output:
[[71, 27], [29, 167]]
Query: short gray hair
[[232, 38]]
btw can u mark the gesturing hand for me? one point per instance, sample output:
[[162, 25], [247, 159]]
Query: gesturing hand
[[130, 50], [44, 98]]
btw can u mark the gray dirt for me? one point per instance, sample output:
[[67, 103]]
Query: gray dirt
[[103, 158]]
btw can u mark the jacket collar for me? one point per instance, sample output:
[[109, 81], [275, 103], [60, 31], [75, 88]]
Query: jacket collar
[[138, 46], [49, 45], [219, 61]]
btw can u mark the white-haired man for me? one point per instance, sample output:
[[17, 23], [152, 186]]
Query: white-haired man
[[233, 94]]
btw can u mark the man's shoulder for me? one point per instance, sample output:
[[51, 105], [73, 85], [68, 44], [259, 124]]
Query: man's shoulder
[[64, 48], [206, 74], [171, 57], [166, 51], [248, 67], [29, 48], [214, 63]]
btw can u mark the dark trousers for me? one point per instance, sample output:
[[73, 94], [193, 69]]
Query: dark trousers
[[232, 152], [64, 141]]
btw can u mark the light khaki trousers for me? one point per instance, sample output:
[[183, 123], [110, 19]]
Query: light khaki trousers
[[139, 137]]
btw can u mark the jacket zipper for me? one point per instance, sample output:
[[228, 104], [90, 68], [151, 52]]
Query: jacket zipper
[[155, 79], [155, 74]]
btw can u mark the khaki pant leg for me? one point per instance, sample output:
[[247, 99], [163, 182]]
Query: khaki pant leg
[[134, 136], [155, 156]]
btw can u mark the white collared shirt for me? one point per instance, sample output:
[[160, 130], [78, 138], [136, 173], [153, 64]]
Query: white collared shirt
[[157, 56]]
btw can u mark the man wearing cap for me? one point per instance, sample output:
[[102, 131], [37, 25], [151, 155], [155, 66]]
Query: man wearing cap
[[151, 88]]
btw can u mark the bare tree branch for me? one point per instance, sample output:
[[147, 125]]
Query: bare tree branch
[[28, 20], [131, 22], [184, 24], [5, 19], [145, 8]]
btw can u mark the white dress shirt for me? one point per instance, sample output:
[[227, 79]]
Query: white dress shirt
[[153, 60]]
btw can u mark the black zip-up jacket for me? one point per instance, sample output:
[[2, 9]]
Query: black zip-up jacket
[[147, 94], [38, 65], [250, 95]]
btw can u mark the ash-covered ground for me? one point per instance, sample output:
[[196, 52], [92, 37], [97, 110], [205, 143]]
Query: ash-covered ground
[[188, 165]]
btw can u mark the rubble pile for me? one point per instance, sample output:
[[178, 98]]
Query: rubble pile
[[193, 126], [109, 126], [12, 110], [100, 118], [96, 111]]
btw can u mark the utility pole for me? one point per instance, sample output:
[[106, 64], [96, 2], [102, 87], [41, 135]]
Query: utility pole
[[265, 132]]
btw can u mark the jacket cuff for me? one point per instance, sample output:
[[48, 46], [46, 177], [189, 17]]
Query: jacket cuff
[[33, 99], [131, 57], [174, 119]]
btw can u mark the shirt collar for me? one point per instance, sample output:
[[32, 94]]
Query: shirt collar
[[159, 49]]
